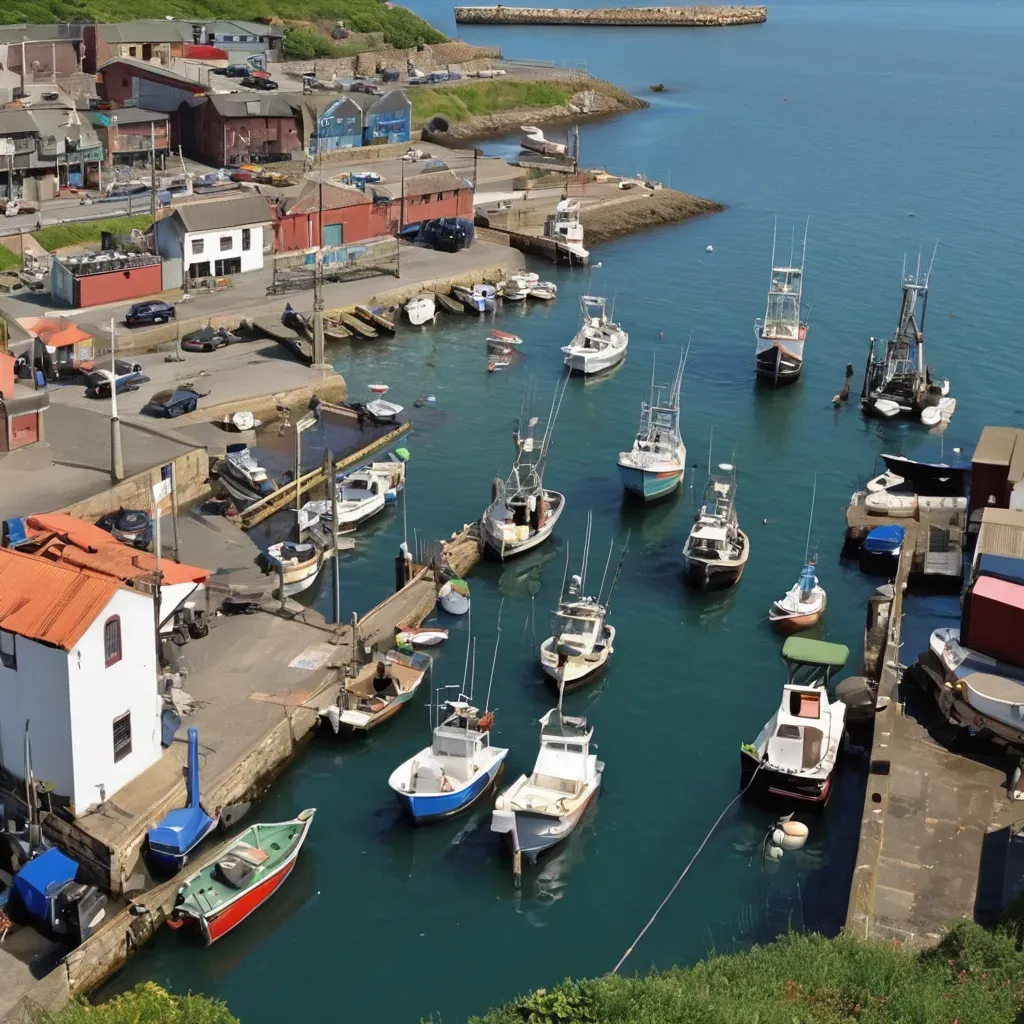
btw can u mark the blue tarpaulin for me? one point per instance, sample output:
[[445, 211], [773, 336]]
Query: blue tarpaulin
[[46, 874]]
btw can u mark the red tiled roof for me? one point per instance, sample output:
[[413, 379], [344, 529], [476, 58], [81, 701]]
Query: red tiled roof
[[57, 333], [68, 540], [49, 603], [336, 197]]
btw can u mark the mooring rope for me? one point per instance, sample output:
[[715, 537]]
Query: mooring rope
[[679, 880]]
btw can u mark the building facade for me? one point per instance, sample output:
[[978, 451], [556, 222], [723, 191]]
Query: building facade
[[128, 134], [386, 118], [77, 672], [251, 128], [349, 215], [108, 277], [332, 125], [436, 194]]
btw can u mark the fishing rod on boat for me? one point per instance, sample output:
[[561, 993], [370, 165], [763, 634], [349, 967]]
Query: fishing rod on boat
[[472, 674], [810, 518], [608, 561], [618, 570], [494, 660], [586, 554]]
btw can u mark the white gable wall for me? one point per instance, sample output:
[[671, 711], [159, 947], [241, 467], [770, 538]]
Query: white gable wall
[[252, 258]]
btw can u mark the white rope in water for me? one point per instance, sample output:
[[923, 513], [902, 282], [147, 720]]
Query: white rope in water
[[661, 906]]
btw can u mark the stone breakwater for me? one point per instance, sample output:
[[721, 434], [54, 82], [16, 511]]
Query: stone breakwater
[[690, 17]]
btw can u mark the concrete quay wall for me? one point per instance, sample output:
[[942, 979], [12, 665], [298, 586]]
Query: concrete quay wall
[[688, 17]]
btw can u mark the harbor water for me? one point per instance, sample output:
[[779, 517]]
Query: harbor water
[[889, 126]]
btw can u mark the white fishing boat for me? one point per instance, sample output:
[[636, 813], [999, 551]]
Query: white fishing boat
[[541, 809], [600, 343], [654, 466], [421, 309], [242, 476], [899, 382], [485, 297], [380, 409], [454, 597], [781, 334], [523, 513], [582, 639], [566, 231], [795, 755], [300, 564], [803, 604], [901, 505], [532, 138], [546, 291], [378, 692], [716, 550], [421, 636], [515, 290], [361, 495]]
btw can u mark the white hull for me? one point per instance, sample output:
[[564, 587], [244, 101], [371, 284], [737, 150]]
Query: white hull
[[504, 547], [420, 311], [579, 666], [589, 361], [452, 601]]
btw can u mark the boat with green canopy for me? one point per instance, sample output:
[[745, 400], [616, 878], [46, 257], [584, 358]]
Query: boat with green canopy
[[795, 755], [226, 891]]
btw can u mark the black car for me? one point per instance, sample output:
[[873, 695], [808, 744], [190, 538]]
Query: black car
[[149, 313], [265, 84], [127, 376], [168, 404], [208, 339]]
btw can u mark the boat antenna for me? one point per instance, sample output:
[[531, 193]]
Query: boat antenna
[[677, 386], [494, 661], [931, 263], [654, 363], [615, 578], [803, 254], [565, 575], [586, 554], [604, 575], [792, 244], [469, 643], [472, 673], [810, 519], [775, 232]]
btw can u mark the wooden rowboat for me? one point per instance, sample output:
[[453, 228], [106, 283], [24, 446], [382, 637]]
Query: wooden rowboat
[[448, 304]]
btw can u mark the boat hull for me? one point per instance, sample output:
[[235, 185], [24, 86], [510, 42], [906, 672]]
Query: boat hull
[[589, 363], [503, 549], [769, 784], [454, 603], [778, 362], [166, 861], [649, 485], [709, 576], [533, 829], [785, 621], [425, 809], [580, 670]]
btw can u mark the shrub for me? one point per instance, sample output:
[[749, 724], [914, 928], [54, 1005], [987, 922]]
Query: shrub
[[305, 44], [147, 1003]]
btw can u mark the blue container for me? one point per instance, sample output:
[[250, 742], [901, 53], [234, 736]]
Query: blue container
[[41, 879], [1001, 567]]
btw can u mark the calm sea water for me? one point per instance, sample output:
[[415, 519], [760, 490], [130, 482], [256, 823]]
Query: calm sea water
[[889, 126]]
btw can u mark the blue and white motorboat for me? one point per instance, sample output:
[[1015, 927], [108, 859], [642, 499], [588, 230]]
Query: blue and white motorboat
[[657, 461], [182, 830], [455, 771]]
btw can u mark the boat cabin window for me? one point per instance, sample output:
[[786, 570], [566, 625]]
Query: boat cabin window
[[788, 732], [574, 625], [454, 746], [805, 705], [808, 675]]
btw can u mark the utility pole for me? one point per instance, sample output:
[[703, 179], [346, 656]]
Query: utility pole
[[116, 459], [152, 173], [174, 512], [319, 355], [336, 580]]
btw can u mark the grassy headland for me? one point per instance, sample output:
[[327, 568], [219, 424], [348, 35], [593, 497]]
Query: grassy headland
[[972, 976], [83, 232], [400, 27]]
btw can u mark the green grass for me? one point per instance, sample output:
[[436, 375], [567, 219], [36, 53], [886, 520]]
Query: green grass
[[83, 232], [460, 103], [973, 977], [145, 1004], [8, 260], [400, 27]]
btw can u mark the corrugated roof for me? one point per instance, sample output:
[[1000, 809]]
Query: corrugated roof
[[148, 31], [995, 446], [1001, 533], [152, 69], [336, 197], [63, 538], [253, 104], [15, 122], [58, 332], [51, 603], [225, 213], [436, 181], [244, 28]]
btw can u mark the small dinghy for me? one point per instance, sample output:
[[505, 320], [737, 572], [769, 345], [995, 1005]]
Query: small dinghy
[[885, 540], [886, 408], [384, 412], [803, 605], [421, 309], [298, 563], [225, 892], [421, 636], [169, 845], [379, 389], [454, 597], [546, 291], [497, 337], [241, 421], [378, 692], [795, 754]]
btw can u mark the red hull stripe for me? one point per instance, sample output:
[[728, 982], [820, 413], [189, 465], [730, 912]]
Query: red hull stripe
[[238, 911]]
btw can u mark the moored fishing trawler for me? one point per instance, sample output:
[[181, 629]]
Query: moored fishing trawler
[[795, 755], [716, 551], [600, 343], [898, 382], [781, 334], [657, 461], [581, 641], [523, 513]]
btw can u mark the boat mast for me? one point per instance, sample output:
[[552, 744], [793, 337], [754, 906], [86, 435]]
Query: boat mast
[[494, 661], [565, 575], [586, 555], [604, 575], [775, 233], [810, 519], [615, 578], [469, 643]]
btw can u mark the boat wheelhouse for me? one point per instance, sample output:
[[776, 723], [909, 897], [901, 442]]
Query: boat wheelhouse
[[600, 343], [716, 549], [781, 333]]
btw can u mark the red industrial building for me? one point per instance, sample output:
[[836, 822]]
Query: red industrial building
[[103, 278], [237, 129], [436, 194], [349, 215], [21, 409]]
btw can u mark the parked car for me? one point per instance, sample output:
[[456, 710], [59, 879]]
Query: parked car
[[434, 165], [235, 71], [389, 75], [264, 84], [128, 525], [367, 87], [143, 313], [168, 404], [370, 177], [419, 80], [127, 377], [206, 339]]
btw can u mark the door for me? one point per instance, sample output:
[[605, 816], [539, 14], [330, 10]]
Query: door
[[3, 427], [197, 270], [332, 234]]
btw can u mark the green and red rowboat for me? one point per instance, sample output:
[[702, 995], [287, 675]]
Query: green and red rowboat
[[226, 891]]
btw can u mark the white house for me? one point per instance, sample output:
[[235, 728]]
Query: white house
[[78, 667], [214, 239]]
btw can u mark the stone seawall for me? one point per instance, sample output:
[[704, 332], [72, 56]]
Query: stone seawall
[[690, 17]]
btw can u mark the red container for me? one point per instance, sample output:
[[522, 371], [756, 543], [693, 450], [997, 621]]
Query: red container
[[993, 621]]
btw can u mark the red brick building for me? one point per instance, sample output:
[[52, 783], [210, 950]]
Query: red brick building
[[436, 194], [244, 128], [349, 215]]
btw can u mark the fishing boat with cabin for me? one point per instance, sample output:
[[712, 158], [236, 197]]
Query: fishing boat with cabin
[[600, 343], [221, 895], [781, 334], [582, 639], [522, 512], [795, 755], [716, 550], [898, 382], [657, 461]]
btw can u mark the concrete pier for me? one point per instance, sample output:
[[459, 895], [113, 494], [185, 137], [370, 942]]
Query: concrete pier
[[628, 17]]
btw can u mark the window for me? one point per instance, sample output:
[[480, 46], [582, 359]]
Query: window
[[246, 239], [131, 51], [440, 196], [122, 736], [8, 656], [197, 246], [112, 640], [225, 243]]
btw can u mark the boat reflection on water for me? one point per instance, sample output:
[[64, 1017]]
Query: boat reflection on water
[[545, 884], [651, 525], [715, 608], [522, 578]]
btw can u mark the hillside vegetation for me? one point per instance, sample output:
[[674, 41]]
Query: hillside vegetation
[[972, 977], [145, 1004], [400, 27], [460, 103]]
